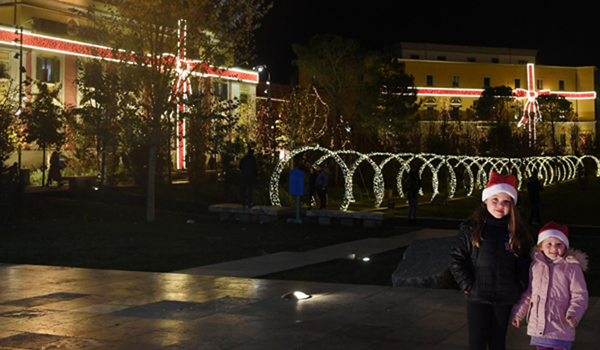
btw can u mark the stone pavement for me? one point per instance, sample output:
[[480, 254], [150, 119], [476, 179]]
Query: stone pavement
[[45, 307]]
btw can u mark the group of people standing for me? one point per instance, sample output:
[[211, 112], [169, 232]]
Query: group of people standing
[[504, 282]]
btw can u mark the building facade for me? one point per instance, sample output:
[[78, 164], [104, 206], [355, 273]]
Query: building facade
[[40, 41], [451, 78]]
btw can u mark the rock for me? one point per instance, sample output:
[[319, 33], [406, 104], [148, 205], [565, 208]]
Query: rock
[[426, 265]]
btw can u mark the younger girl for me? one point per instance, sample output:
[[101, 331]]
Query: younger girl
[[557, 295], [490, 263]]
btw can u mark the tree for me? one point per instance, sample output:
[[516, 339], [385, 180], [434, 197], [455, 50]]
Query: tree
[[303, 119], [145, 32], [553, 110], [44, 118], [9, 133], [337, 65], [99, 122], [495, 103], [389, 101]]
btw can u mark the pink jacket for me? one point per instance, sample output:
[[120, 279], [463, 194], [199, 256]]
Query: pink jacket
[[556, 290]]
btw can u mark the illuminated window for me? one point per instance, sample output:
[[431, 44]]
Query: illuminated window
[[48, 69], [540, 84], [561, 85], [430, 80], [455, 108], [430, 105], [517, 83], [4, 65], [220, 91], [486, 82], [455, 80]]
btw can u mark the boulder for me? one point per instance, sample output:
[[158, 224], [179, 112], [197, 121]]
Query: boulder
[[426, 264]]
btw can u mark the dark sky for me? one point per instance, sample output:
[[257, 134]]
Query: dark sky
[[562, 35]]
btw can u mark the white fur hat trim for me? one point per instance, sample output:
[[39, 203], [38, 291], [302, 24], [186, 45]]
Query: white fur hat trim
[[553, 233], [497, 188]]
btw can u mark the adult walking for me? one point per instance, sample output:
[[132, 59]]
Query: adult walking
[[412, 185], [249, 172], [54, 172], [321, 185]]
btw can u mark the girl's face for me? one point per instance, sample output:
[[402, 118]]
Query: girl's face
[[499, 204], [553, 248]]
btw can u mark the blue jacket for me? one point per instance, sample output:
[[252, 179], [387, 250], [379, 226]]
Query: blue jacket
[[322, 178]]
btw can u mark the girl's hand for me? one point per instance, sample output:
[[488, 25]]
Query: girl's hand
[[516, 322], [572, 321]]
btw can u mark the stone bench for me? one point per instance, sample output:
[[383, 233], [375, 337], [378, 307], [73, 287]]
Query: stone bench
[[349, 218], [261, 213], [81, 183]]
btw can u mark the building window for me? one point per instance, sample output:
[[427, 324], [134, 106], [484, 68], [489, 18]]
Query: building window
[[441, 58], [523, 62], [517, 83], [471, 59], [495, 60], [486, 82], [430, 105], [4, 65], [430, 80], [455, 108], [244, 98], [561, 85], [455, 80], [48, 69], [220, 91], [563, 140], [414, 57], [540, 84]]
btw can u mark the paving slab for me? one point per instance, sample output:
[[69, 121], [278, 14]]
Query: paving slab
[[283, 261], [184, 311]]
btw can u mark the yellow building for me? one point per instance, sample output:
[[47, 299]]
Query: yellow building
[[452, 77]]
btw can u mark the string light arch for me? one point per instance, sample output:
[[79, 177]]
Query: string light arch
[[477, 169]]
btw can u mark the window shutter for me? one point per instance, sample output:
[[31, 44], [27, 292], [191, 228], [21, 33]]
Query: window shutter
[[38, 73], [55, 70]]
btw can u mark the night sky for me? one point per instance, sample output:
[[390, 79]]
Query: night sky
[[562, 35]]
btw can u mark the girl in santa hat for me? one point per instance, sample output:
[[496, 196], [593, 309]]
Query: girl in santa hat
[[490, 262], [557, 295]]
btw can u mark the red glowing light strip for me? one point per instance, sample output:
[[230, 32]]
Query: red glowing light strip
[[449, 92], [35, 41]]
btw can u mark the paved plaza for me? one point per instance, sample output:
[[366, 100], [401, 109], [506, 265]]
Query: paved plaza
[[221, 307]]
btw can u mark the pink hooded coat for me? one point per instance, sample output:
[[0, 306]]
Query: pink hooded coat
[[556, 290]]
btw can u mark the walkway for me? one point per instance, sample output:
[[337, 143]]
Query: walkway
[[69, 308]]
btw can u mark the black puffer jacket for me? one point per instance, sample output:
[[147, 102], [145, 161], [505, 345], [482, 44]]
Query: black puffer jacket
[[491, 273]]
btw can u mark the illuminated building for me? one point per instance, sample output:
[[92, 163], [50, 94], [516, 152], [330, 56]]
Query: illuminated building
[[451, 77], [52, 44]]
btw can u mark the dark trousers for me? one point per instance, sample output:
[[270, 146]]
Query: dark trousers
[[535, 213], [322, 193], [412, 207], [246, 195], [488, 325]]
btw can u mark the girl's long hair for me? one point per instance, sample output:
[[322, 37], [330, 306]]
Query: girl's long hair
[[516, 228]]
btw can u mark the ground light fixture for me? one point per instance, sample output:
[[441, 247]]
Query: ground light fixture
[[297, 295]]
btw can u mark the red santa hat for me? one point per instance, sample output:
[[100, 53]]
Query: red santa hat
[[500, 183], [553, 229]]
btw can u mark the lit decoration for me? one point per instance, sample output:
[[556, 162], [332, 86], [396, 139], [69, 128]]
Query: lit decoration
[[531, 110], [182, 89], [75, 48], [184, 68], [476, 169]]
